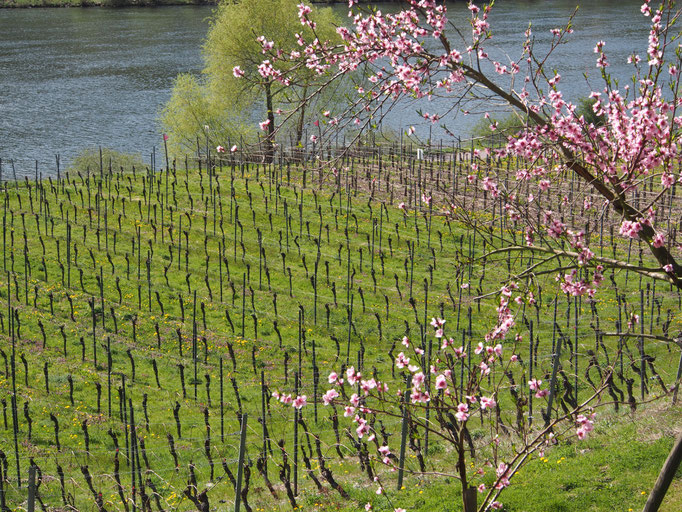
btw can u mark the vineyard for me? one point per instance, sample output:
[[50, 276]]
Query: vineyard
[[169, 331]]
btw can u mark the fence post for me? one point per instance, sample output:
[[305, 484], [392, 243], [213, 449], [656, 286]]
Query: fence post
[[31, 489], [240, 467]]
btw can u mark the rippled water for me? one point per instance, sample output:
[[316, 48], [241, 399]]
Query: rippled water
[[74, 78]]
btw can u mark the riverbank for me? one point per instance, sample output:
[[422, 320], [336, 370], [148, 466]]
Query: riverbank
[[113, 3], [100, 3]]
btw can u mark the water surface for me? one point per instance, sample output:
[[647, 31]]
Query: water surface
[[82, 77]]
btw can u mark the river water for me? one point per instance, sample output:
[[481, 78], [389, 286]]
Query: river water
[[83, 77]]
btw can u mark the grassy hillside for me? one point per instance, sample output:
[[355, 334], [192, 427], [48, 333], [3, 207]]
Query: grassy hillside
[[147, 311]]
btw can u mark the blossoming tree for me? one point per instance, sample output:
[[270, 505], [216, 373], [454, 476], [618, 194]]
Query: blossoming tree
[[410, 54]]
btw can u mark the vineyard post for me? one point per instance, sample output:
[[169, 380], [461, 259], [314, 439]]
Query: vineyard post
[[260, 259], [296, 416], [263, 425], [31, 489], [315, 381], [427, 362], [220, 268], [350, 324], [243, 303], [642, 367], [3, 477], [133, 437], [194, 344], [94, 329], [403, 435], [576, 309], [101, 296], [552, 384], [222, 404], [240, 464], [109, 364], [677, 380], [15, 419], [530, 375], [374, 229]]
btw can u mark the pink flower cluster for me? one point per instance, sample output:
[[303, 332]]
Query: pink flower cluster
[[585, 425]]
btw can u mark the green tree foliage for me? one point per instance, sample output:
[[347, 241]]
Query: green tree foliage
[[231, 107], [192, 108]]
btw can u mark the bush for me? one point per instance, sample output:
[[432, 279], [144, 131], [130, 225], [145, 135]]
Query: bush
[[507, 125], [89, 159], [585, 108]]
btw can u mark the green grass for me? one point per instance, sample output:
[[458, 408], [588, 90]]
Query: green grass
[[260, 193]]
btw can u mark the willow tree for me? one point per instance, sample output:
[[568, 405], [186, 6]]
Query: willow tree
[[217, 105]]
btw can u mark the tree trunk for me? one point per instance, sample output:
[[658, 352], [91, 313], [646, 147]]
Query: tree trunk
[[301, 117], [470, 499], [269, 154]]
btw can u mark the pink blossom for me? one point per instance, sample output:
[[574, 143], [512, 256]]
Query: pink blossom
[[462, 412], [402, 361], [534, 384], [237, 72], [487, 403], [352, 376], [667, 180], [329, 396], [585, 425], [659, 240], [300, 402]]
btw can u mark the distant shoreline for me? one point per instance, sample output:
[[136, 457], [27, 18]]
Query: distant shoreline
[[38, 4], [35, 4]]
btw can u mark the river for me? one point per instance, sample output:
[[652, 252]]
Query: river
[[82, 77]]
